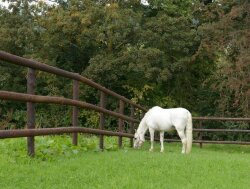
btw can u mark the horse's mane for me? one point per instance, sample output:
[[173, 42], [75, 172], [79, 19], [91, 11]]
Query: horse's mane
[[142, 127]]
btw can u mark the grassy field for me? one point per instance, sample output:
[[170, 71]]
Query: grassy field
[[60, 165]]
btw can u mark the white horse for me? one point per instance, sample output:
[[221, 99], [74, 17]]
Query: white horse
[[159, 119]]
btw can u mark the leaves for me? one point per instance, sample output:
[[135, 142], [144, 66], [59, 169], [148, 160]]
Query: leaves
[[49, 148], [170, 53]]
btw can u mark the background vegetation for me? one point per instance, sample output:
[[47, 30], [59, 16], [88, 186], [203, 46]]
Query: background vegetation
[[171, 53]]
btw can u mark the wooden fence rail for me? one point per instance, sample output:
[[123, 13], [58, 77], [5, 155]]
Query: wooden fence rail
[[57, 71], [200, 130], [30, 98]]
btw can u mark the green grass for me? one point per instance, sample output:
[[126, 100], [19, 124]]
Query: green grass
[[59, 165]]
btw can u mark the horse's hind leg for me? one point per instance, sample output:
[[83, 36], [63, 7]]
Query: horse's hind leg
[[151, 131], [162, 140], [183, 140]]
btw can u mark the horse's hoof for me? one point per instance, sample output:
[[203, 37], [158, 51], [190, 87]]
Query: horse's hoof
[[151, 150], [162, 151]]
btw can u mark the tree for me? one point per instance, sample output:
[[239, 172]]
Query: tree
[[225, 38]]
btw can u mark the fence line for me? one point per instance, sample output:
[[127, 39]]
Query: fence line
[[212, 141], [57, 71], [6, 95], [59, 130], [221, 119], [30, 98], [222, 130], [200, 130]]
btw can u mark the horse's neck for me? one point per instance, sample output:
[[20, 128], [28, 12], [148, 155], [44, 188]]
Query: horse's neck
[[142, 128]]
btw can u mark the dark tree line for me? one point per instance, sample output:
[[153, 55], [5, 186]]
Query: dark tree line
[[193, 54]]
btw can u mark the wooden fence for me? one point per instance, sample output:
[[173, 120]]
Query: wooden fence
[[30, 98]]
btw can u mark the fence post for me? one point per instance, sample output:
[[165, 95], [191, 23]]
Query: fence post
[[200, 133], [102, 119], [31, 84], [121, 122], [75, 111], [132, 115]]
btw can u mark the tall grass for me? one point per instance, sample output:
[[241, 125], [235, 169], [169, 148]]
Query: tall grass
[[58, 164]]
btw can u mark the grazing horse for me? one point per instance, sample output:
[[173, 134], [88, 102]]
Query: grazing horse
[[159, 119]]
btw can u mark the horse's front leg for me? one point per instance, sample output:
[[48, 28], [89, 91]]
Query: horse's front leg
[[162, 140], [151, 132]]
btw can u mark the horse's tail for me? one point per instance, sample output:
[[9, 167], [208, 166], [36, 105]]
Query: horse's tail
[[189, 133]]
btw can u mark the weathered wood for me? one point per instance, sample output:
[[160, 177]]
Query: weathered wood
[[57, 71], [75, 122], [131, 130], [102, 119], [221, 119], [59, 130], [62, 130], [31, 83], [222, 130], [200, 133], [121, 122], [6, 95]]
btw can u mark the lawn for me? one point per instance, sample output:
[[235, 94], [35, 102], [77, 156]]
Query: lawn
[[60, 165]]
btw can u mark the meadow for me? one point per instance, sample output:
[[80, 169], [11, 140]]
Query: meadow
[[58, 164]]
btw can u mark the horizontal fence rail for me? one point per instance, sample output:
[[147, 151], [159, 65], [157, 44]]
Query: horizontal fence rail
[[56, 131], [221, 119], [57, 71], [212, 142], [31, 99], [222, 130], [200, 130], [6, 95]]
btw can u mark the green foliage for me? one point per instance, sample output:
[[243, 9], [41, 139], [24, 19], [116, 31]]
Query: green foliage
[[53, 116], [174, 8], [228, 30], [50, 147], [89, 119], [170, 53]]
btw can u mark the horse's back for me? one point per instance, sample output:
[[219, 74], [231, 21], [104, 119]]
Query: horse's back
[[174, 111], [179, 117], [164, 119]]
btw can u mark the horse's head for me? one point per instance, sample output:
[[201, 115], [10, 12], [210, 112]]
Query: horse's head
[[138, 140]]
